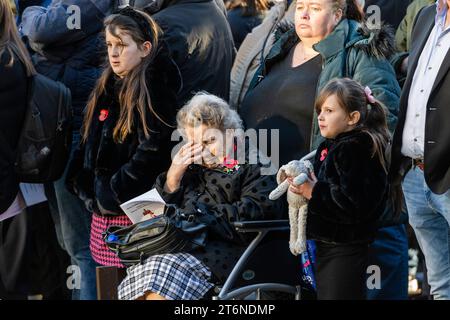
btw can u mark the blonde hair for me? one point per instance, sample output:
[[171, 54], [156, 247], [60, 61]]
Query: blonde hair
[[209, 110]]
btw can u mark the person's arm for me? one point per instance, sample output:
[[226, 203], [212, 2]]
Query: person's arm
[[176, 197], [74, 169], [59, 22], [401, 35], [140, 172], [13, 106], [355, 185], [400, 60]]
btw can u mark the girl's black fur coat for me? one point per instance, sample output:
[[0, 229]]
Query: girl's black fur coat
[[351, 191], [104, 173]]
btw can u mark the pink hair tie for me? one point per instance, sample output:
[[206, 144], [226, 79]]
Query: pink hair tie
[[369, 95]]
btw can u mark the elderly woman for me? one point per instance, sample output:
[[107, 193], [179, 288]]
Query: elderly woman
[[207, 177], [328, 41]]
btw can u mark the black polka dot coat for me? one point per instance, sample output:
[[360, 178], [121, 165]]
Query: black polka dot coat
[[242, 195]]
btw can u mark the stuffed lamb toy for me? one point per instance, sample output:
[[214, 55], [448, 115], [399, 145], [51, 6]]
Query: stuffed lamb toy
[[300, 170]]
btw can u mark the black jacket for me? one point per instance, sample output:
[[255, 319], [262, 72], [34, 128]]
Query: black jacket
[[201, 43], [351, 191], [242, 25], [437, 130], [13, 103], [104, 173], [392, 11], [219, 199]]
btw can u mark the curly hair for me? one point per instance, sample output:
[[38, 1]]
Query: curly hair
[[209, 110]]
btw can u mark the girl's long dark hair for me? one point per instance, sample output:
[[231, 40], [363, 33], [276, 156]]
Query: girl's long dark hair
[[250, 8], [350, 9], [10, 40], [134, 94], [352, 97]]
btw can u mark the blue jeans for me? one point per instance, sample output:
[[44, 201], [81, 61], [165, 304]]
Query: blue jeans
[[389, 252], [429, 215], [74, 229]]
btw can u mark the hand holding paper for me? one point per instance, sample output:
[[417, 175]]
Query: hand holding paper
[[144, 207]]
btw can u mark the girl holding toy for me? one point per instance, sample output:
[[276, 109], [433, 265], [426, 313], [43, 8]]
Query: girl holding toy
[[348, 191]]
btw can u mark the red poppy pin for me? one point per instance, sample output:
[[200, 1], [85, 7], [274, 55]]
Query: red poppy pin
[[103, 115], [323, 154], [230, 165]]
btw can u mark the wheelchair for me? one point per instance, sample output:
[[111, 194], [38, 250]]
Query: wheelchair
[[265, 269]]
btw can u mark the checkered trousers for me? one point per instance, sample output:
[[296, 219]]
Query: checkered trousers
[[178, 276]]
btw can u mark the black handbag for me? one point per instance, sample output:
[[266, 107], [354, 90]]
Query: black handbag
[[160, 235]]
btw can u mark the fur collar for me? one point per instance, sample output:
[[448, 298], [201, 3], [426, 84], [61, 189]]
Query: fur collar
[[377, 42]]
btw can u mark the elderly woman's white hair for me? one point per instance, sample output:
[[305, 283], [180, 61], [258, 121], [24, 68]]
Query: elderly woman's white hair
[[209, 110]]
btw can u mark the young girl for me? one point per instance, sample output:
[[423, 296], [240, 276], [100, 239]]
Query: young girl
[[126, 134], [350, 190]]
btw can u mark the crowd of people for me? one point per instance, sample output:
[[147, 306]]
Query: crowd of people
[[372, 102]]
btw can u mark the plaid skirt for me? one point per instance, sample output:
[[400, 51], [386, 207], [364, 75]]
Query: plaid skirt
[[100, 252], [178, 276]]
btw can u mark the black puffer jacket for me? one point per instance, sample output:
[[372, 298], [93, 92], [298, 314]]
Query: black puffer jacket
[[351, 191], [220, 199], [201, 43], [13, 103], [104, 173], [392, 12]]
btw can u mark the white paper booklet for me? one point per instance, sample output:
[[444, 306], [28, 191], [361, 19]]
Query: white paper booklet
[[33, 193], [146, 206], [15, 208]]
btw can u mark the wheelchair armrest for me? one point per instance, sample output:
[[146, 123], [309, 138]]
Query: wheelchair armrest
[[261, 225], [262, 228]]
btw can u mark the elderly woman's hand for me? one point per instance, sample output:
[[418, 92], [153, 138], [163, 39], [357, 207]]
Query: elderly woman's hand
[[305, 189], [188, 154]]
